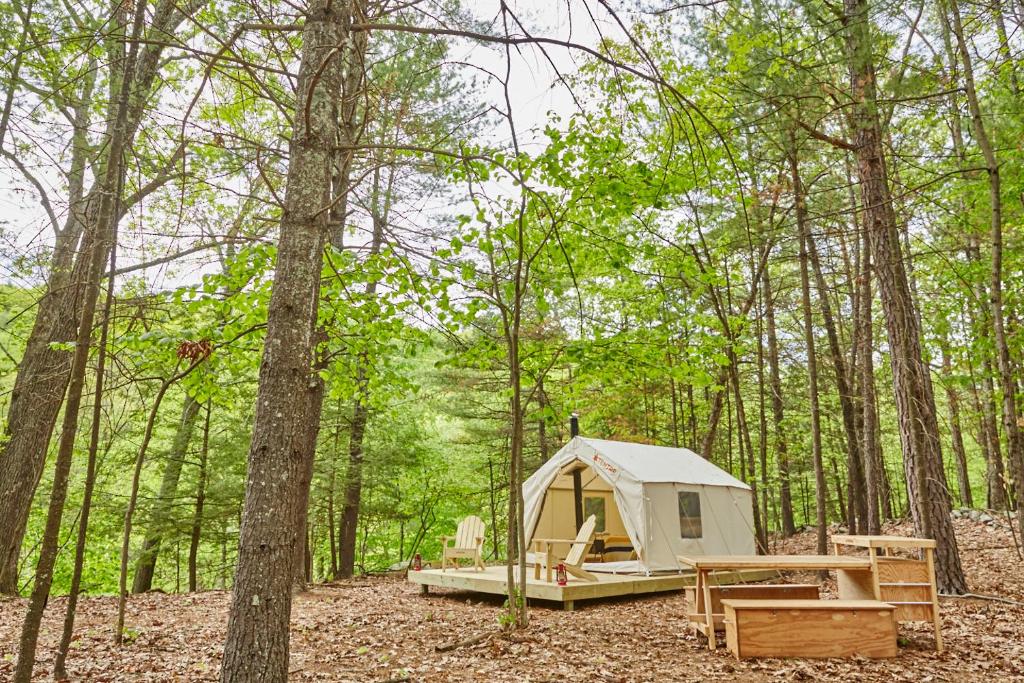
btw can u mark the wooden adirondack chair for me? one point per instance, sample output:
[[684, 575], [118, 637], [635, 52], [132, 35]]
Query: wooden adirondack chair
[[544, 550], [467, 543]]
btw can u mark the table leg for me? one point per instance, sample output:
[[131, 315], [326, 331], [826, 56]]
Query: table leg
[[876, 586], [936, 621], [702, 578]]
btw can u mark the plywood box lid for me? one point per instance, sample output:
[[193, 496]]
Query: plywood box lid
[[808, 604]]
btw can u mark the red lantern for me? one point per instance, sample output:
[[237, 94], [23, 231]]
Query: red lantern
[[417, 562], [560, 575]]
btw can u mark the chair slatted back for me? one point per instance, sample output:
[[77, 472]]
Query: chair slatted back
[[470, 529], [583, 540]]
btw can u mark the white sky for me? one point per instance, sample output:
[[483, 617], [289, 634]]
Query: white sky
[[533, 90]]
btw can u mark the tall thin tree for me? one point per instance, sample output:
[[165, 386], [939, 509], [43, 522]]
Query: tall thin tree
[[257, 644]]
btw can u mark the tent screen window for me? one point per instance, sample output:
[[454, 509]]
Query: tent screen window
[[594, 506], [689, 514]]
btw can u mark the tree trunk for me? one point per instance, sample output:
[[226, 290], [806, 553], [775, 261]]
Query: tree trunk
[[542, 427], [39, 387], [38, 393], [332, 485], [919, 433], [59, 668], [197, 517], [19, 56], [494, 508], [707, 446], [984, 404], [1008, 61], [45, 367], [353, 491], [955, 432], [97, 245], [775, 386], [515, 522], [820, 487], [724, 311], [352, 86], [993, 476], [857, 514], [312, 433], [257, 644], [998, 498], [692, 415], [58, 494], [873, 475], [1004, 364], [747, 472], [762, 429], [360, 415], [133, 496], [354, 71], [163, 511]]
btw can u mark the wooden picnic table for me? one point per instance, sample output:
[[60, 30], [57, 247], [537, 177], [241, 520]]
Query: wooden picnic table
[[881, 542], [855, 576]]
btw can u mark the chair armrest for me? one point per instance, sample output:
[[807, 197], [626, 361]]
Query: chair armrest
[[553, 541]]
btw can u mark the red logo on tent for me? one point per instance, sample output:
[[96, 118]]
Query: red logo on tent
[[607, 466]]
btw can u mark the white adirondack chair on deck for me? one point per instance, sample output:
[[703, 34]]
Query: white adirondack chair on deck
[[544, 553], [467, 543]]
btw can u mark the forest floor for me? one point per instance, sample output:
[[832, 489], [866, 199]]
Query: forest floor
[[381, 629]]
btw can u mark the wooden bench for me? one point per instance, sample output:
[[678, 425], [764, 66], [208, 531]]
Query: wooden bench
[[907, 583], [854, 576], [810, 628], [755, 591]]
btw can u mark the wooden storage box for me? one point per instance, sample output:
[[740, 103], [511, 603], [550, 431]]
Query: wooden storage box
[[810, 628]]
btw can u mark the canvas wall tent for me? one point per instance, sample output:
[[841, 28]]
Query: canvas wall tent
[[668, 501]]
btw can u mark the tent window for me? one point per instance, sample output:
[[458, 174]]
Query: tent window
[[594, 506], [689, 514]]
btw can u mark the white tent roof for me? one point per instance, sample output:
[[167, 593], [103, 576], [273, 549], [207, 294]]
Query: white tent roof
[[655, 464]]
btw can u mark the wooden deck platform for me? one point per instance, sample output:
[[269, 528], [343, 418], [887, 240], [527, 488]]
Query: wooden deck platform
[[492, 580]]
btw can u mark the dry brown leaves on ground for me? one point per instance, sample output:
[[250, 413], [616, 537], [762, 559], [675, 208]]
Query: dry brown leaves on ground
[[383, 630]]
